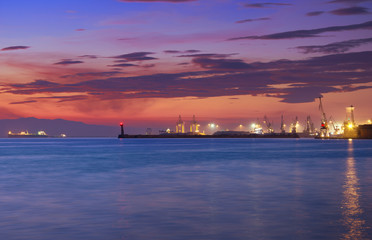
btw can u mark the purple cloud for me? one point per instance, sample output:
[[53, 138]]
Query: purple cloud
[[306, 80], [127, 39], [171, 1], [253, 20], [209, 55], [15, 48], [315, 13], [265, 5], [336, 47], [121, 65], [220, 64], [136, 56], [65, 98], [23, 102], [350, 11], [148, 66], [308, 33], [181, 52], [68, 62], [349, 1], [89, 56], [92, 74], [42, 84]]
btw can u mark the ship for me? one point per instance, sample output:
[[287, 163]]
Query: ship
[[26, 134]]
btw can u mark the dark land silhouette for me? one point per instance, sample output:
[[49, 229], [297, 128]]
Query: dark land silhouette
[[56, 127]]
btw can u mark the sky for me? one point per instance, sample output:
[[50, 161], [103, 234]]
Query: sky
[[145, 62]]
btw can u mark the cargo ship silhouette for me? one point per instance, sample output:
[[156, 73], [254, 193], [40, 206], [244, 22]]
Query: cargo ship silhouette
[[39, 134], [26, 134]]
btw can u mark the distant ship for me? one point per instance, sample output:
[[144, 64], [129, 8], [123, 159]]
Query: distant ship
[[26, 134]]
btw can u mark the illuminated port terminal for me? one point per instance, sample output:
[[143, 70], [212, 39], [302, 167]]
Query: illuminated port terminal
[[329, 129], [213, 130]]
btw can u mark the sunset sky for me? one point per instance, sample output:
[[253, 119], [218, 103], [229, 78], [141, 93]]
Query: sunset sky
[[147, 61]]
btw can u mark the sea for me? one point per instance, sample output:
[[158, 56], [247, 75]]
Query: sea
[[185, 189]]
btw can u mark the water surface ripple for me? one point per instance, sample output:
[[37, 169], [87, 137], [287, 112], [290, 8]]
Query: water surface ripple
[[178, 189]]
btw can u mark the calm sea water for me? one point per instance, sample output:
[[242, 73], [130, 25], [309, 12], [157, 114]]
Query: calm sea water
[[176, 189]]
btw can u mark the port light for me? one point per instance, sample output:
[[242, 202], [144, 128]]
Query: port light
[[350, 125], [121, 124]]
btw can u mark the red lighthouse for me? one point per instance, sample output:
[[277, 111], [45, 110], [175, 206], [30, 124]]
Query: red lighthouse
[[121, 135]]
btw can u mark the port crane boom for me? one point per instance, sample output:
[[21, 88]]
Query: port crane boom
[[268, 125], [309, 126], [324, 122], [282, 125]]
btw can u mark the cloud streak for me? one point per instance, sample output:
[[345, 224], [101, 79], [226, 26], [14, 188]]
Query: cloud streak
[[24, 102], [350, 11], [307, 33], [349, 1], [68, 62], [307, 79], [136, 56], [253, 20], [265, 5], [336, 47], [315, 13], [11, 48], [181, 52], [121, 65], [92, 74], [170, 1]]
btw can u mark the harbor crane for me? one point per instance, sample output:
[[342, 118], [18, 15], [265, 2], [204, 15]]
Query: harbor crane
[[268, 125], [324, 129], [350, 114], [282, 125], [309, 126], [336, 128], [294, 125]]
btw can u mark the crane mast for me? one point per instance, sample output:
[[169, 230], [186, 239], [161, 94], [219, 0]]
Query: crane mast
[[324, 129], [309, 126], [294, 125], [282, 125], [268, 125]]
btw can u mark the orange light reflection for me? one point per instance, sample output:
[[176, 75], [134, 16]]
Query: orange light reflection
[[350, 205]]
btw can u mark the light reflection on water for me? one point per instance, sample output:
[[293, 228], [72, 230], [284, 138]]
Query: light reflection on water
[[181, 189], [352, 210]]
